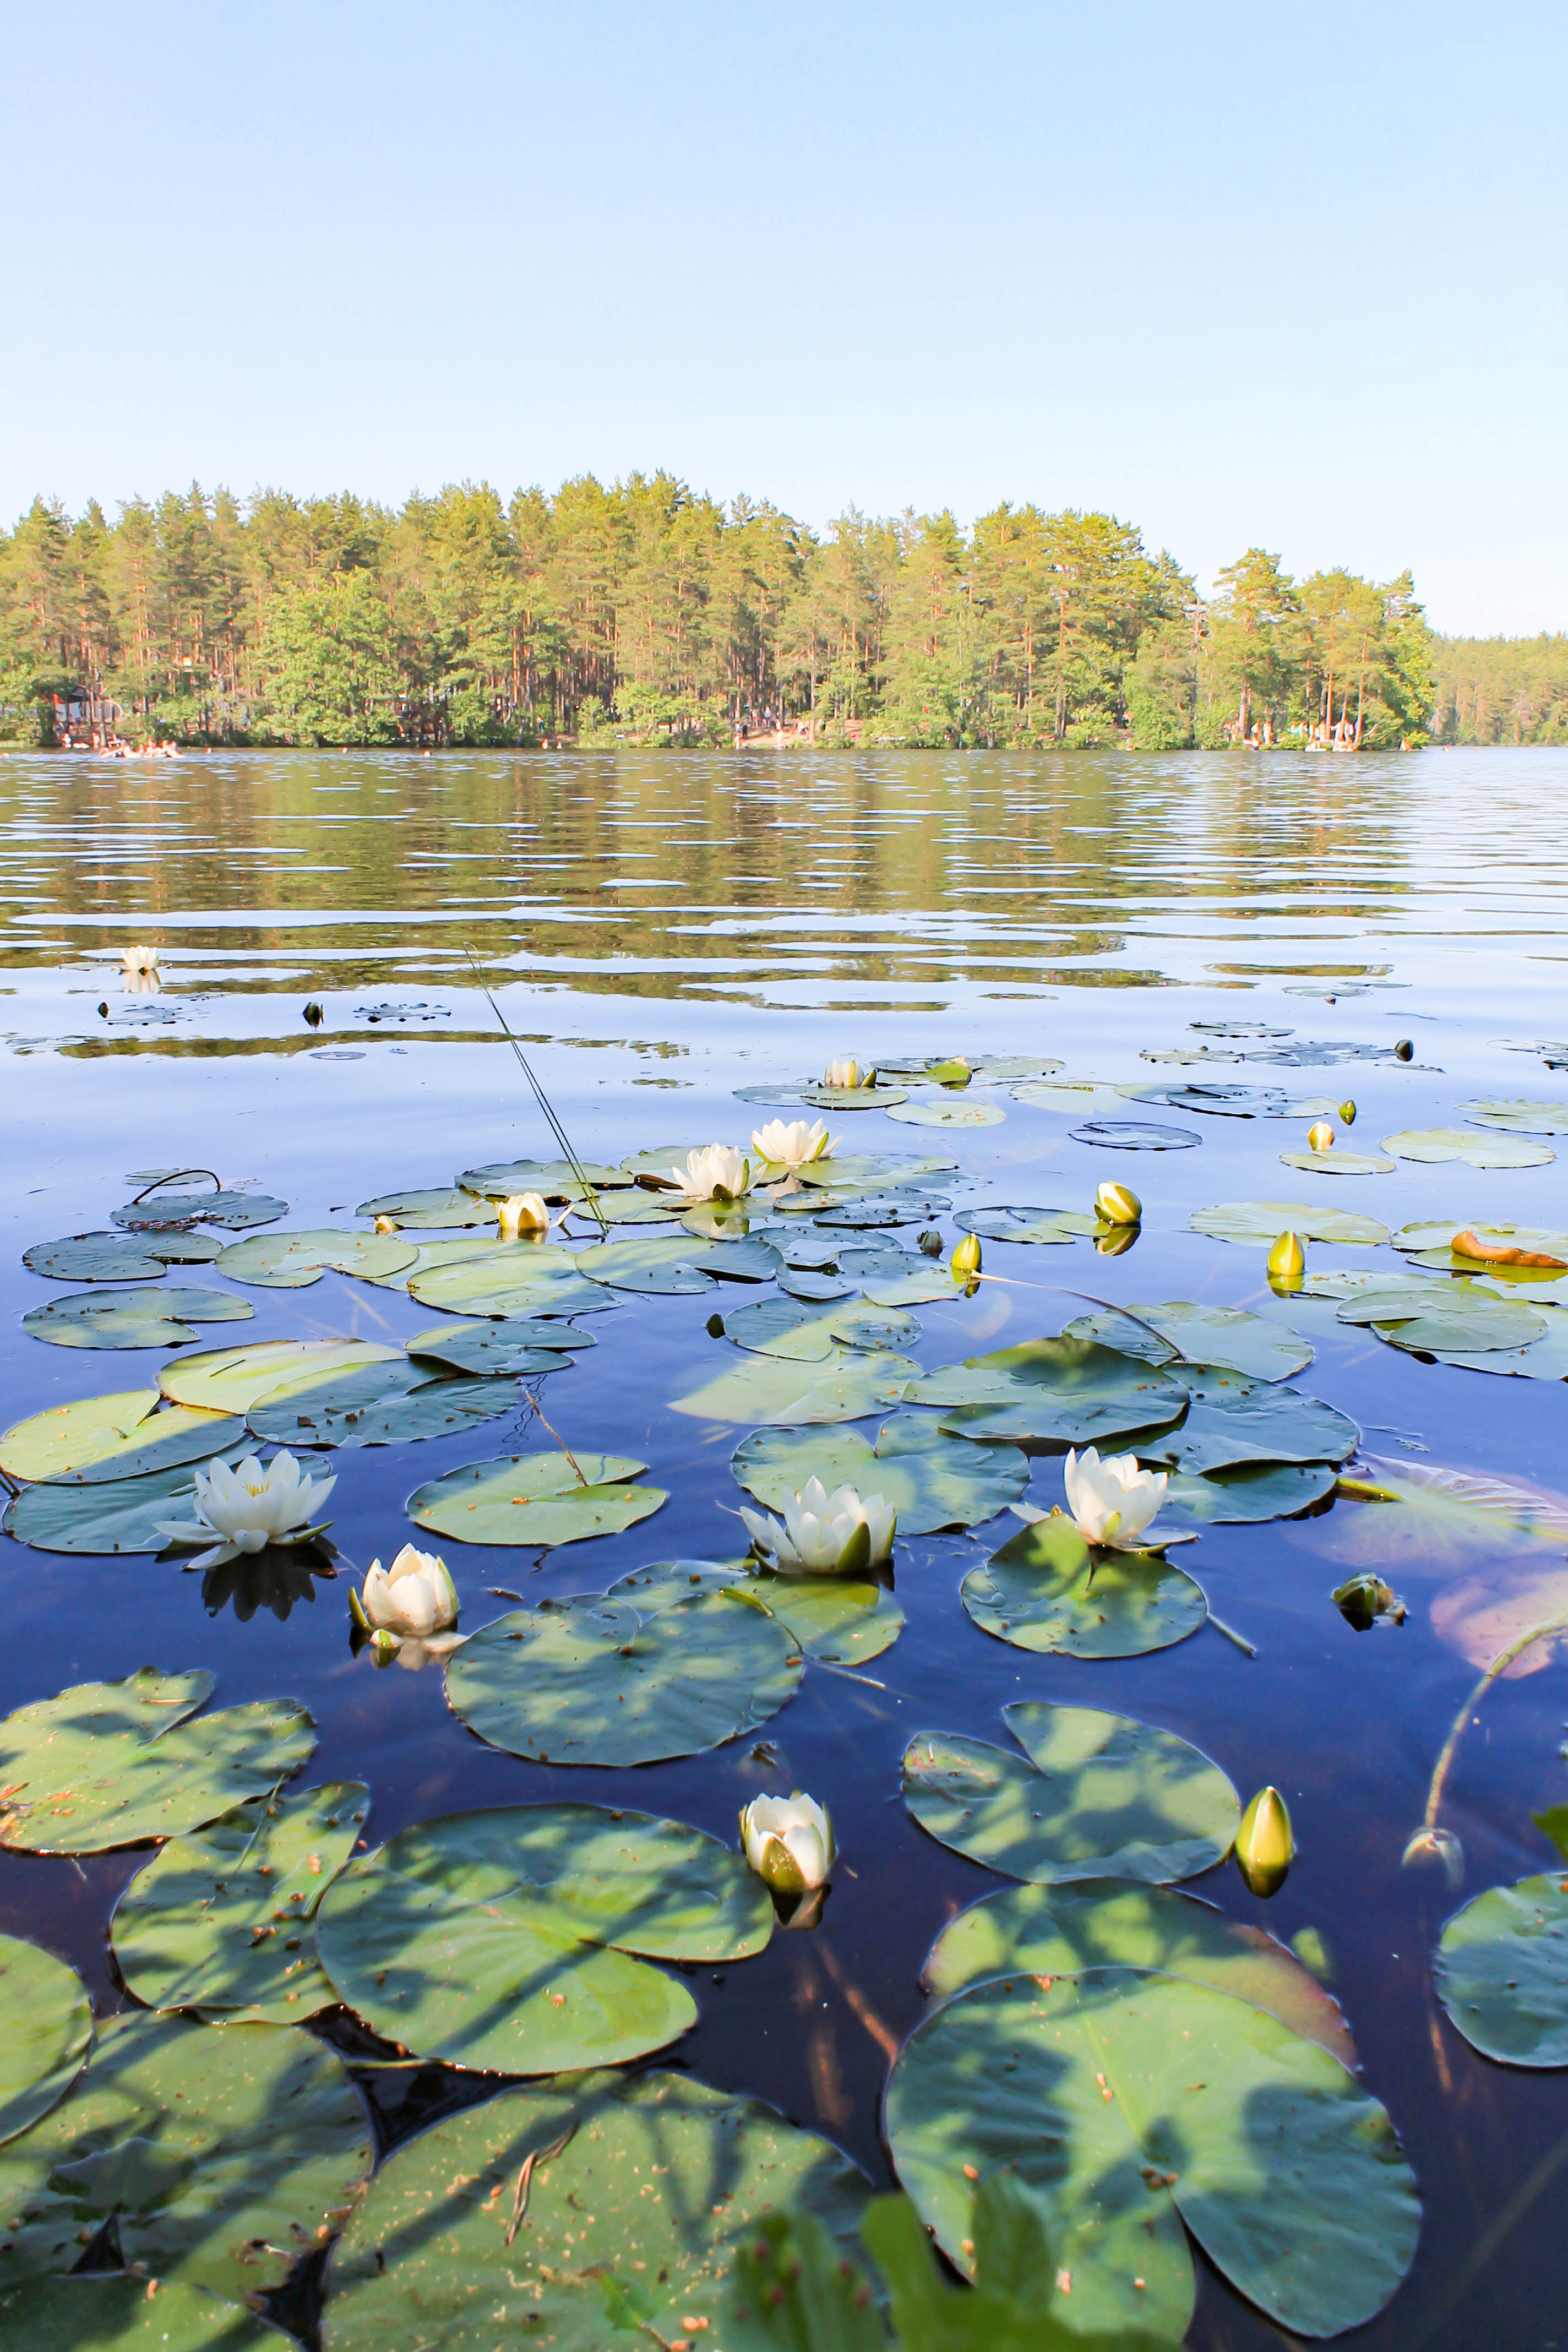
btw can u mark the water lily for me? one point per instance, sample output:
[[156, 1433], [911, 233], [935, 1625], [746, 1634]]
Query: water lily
[[413, 1598], [965, 1262], [1320, 1136], [1112, 1502], [1286, 1261], [248, 1507], [1118, 1204], [823, 1533], [788, 1842], [1347, 1114], [1265, 1843], [139, 961], [794, 1144], [523, 1212], [718, 1173], [847, 1076]]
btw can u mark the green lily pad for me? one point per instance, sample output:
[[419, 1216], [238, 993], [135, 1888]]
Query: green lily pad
[[222, 2155], [1094, 1796], [1436, 1145], [947, 1113], [45, 2030], [630, 1207], [842, 1620], [1225, 1335], [1468, 1323], [1060, 1930], [231, 1379], [1519, 1118], [418, 1210], [499, 1180], [503, 1938], [110, 1437], [872, 1172], [116, 1257], [129, 2314], [931, 1480], [1063, 1391], [222, 1920], [1419, 1518], [1337, 1162], [108, 1514], [670, 1263], [428, 2258], [1040, 1225], [152, 1315], [1232, 1421], [587, 1681], [1257, 1223], [1245, 1496], [430, 1257], [1545, 1359], [376, 1404], [512, 1280], [837, 1098], [1046, 1590], [1004, 1069], [105, 1764], [294, 1261], [853, 1382], [779, 1327], [1135, 2101], [1501, 1971], [236, 1211], [927, 1284], [532, 1344], [1075, 1097], [535, 1498]]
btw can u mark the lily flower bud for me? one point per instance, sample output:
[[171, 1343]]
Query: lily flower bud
[[1287, 1262], [1347, 1114], [1118, 1205], [965, 1259], [1319, 1136], [1264, 1845]]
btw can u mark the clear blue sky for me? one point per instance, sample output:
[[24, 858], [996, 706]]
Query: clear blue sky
[[1285, 275]]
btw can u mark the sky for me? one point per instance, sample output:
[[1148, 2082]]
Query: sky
[[1280, 276]]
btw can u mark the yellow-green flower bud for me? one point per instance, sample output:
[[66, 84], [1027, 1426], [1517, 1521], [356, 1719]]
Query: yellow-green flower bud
[[965, 1259], [1118, 1204], [1319, 1136], [1115, 1241], [1347, 1114], [1265, 1846], [1286, 1262]]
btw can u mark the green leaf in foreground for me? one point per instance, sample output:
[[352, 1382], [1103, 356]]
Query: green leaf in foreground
[[1094, 1796], [1137, 2101], [843, 1621], [294, 1261], [587, 1681], [108, 1516], [931, 1480], [231, 1379], [444, 2250], [1501, 1971], [1046, 1590], [1232, 1421], [806, 1333], [129, 2314], [1227, 1336], [153, 1315], [536, 1498], [222, 1919], [106, 1764], [376, 1404], [45, 2030], [110, 1437], [1247, 1495], [1257, 1223], [1063, 1391], [223, 2156]]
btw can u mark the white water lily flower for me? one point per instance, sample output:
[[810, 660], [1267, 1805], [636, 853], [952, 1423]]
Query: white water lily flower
[[248, 1508], [1112, 1502], [794, 1144], [139, 961], [524, 1213], [848, 1075], [823, 1533], [413, 1598], [788, 1842], [718, 1173]]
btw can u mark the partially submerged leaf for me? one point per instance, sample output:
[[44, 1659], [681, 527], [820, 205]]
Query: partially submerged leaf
[[1420, 1519], [536, 1498], [931, 1480]]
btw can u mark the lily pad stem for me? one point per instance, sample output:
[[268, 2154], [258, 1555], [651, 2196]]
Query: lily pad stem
[[176, 1176], [1232, 1635], [525, 2178], [1504, 1659], [555, 1434], [541, 1098]]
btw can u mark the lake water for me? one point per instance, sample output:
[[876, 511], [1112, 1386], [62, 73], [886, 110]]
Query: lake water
[[661, 931]]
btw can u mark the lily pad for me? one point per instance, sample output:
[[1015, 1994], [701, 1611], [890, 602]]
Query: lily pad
[[111, 1437], [45, 2030], [1545, 1359], [842, 1620], [536, 1498], [1058, 1930], [1247, 1495], [236, 1211], [1452, 1316], [924, 1284], [932, 1481], [1046, 1590], [153, 1315], [1057, 1392], [376, 1404], [1519, 1118], [499, 1179], [294, 1261], [1232, 1421], [1133, 1135], [1502, 1246], [1094, 1796], [222, 1920], [516, 1279], [668, 1265], [1135, 2101], [1501, 1971], [853, 1382], [779, 1327], [505, 1938], [1222, 1101], [442, 1208], [1004, 1069], [221, 2157], [837, 1098], [1436, 1145], [1337, 1162], [1420, 1519], [105, 1764], [108, 1515], [1227, 1336], [866, 1211], [1041, 1225], [130, 2315], [1252, 1223], [115, 1257], [587, 1681], [874, 1171], [947, 1112], [231, 1379], [630, 1206], [532, 1344], [656, 2177], [1075, 1097]]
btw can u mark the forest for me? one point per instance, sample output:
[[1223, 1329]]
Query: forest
[[647, 612]]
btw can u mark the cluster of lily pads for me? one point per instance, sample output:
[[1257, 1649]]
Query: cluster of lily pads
[[539, 1939]]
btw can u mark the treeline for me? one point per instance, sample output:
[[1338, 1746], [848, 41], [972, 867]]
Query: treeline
[[644, 611], [1501, 690]]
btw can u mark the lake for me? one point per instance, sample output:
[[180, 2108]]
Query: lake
[[662, 932]]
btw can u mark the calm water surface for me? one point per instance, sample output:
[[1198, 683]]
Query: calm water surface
[[664, 932]]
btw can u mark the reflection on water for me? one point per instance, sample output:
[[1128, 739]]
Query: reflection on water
[[662, 931]]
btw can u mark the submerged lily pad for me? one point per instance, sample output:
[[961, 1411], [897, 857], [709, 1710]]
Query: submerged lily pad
[[1094, 1796], [1135, 2101], [854, 1382], [588, 1681], [116, 1257], [505, 1938], [1225, 1335], [105, 1764], [428, 2257], [1041, 1225], [376, 1404], [231, 1379], [1059, 1392], [532, 1344], [222, 1919], [132, 2315], [1436, 1145], [801, 1333], [1519, 1118], [153, 1315], [536, 1498], [1252, 1223], [236, 1211], [1047, 1590], [111, 1437], [107, 1515], [1501, 1971], [1247, 1495], [294, 1261], [452, 1206], [931, 1480], [221, 2157], [1419, 1518], [46, 2029]]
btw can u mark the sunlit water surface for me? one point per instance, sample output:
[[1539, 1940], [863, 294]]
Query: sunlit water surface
[[662, 931]]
